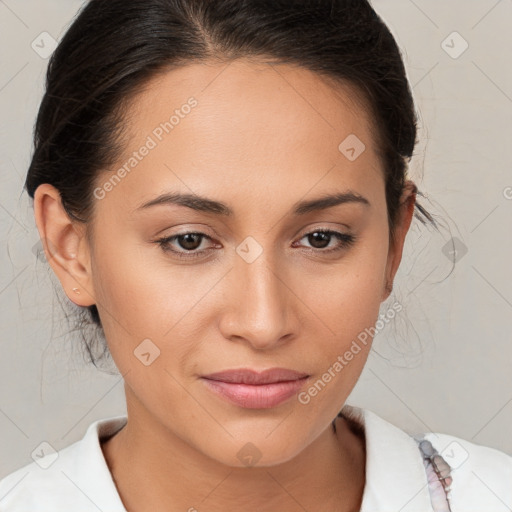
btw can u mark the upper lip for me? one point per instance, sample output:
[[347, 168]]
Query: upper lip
[[249, 376]]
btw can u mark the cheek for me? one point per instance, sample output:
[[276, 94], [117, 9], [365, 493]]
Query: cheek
[[141, 297], [347, 303], [127, 301], [348, 295], [348, 313]]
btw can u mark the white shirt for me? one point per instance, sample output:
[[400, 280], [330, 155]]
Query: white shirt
[[77, 477]]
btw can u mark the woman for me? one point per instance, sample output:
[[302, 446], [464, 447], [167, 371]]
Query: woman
[[223, 186]]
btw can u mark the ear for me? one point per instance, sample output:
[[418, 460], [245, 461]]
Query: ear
[[404, 218], [65, 245]]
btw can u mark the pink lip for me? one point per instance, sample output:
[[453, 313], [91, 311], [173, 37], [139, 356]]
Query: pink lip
[[256, 390]]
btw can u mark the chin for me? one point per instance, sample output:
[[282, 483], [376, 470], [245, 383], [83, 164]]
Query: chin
[[255, 450]]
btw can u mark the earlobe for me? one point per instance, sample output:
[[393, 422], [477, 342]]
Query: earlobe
[[64, 245]]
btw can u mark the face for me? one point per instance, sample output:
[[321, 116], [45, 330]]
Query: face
[[257, 284]]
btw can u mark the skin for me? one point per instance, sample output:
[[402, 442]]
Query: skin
[[259, 152]]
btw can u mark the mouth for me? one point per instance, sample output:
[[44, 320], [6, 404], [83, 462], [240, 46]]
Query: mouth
[[256, 390]]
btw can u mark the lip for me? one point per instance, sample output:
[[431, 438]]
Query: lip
[[250, 376], [256, 390]]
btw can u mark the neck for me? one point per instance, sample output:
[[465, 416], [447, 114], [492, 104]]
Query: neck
[[156, 470]]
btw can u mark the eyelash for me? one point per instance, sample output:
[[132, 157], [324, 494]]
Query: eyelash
[[345, 242]]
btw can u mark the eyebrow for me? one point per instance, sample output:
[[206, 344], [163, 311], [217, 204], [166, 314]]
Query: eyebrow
[[204, 204]]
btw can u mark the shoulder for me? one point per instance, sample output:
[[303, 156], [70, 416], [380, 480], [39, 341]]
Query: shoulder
[[75, 477], [481, 475]]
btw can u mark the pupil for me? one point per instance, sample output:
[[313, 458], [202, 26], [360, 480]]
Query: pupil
[[187, 238], [322, 237]]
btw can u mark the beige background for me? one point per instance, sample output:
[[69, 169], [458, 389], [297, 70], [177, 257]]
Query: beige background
[[442, 366]]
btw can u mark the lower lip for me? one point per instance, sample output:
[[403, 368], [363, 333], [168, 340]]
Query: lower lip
[[263, 396]]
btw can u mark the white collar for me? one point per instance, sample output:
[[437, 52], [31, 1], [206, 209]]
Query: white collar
[[101, 488], [395, 475]]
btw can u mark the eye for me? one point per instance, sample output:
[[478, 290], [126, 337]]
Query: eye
[[189, 243], [320, 238]]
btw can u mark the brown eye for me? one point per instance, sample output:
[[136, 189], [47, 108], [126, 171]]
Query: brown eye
[[189, 241], [184, 245], [321, 238]]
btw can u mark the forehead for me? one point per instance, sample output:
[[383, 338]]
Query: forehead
[[252, 122], [255, 95]]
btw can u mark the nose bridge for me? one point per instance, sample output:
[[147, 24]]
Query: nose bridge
[[259, 307]]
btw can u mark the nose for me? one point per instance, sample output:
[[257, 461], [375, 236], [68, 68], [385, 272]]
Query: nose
[[260, 309]]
